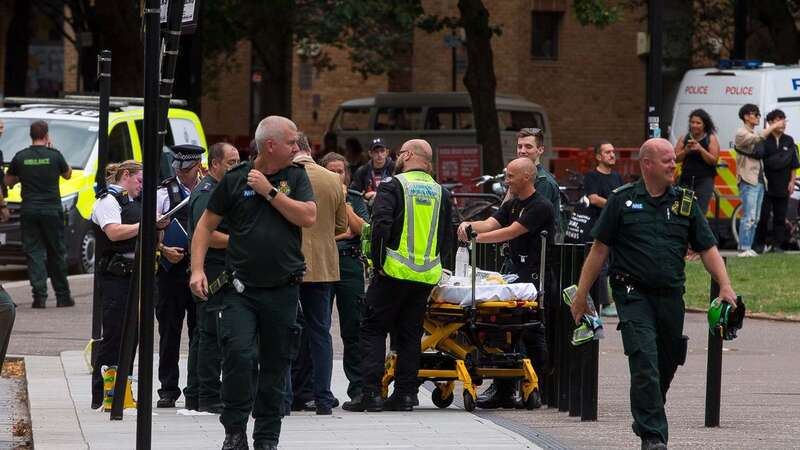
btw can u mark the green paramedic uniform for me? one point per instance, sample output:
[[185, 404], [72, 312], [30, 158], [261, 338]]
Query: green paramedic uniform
[[648, 239], [264, 257]]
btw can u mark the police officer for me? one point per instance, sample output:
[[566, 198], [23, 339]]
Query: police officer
[[519, 222], [115, 219], [646, 227], [410, 226], [38, 169], [205, 358], [265, 202], [174, 297]]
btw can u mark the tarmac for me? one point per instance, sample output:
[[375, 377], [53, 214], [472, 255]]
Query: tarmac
[[760, 398]]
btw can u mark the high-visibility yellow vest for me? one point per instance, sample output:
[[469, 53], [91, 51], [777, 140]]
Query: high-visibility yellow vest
[[416, 258]]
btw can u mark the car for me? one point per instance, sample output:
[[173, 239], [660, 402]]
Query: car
[[74, 125]]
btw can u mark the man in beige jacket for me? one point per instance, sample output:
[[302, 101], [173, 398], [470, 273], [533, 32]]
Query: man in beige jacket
[[314, 363], [750, 173]]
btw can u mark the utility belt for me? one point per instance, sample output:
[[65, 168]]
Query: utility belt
[[229, 277], [355, 252], [117, 265], [629, 283]]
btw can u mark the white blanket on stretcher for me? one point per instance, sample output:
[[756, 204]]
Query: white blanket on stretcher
[[462, 295]]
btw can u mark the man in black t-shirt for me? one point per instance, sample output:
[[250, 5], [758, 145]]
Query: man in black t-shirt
[[597, 186], [38, 168], [780, 165], [265, 203], [519, 221]]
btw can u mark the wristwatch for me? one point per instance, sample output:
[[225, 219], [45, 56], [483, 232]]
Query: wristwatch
[[272, 193]]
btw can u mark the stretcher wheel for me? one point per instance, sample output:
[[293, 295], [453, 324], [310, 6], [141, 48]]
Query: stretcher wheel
[[534, 400], [439, 401], [469, 402]]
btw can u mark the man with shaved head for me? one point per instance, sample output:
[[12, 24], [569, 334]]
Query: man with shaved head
[[410, 228], [646, 228], [519, 222]]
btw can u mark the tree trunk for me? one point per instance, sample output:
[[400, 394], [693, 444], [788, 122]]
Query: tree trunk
[[481, 82], [273, 48], [775, 15], [18, 39], [119, 31]]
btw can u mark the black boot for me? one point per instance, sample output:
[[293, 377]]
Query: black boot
[[399, 402], [67, 302], [235, 441], [364, 402], [653, 444], [265, 446], [39, 302], [498, 395]]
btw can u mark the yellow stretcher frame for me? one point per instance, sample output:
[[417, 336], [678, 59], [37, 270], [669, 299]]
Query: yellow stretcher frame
[[440, 336]]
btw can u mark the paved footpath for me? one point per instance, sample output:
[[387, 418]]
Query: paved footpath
[[62, 419]]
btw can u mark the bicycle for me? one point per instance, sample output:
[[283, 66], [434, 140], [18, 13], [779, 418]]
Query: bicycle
[[474, 206]]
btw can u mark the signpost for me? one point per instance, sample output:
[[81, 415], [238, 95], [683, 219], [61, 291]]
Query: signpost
[[459, 164]]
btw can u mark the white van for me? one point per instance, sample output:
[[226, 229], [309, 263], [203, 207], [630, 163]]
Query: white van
[[721, 92], [440, 118]]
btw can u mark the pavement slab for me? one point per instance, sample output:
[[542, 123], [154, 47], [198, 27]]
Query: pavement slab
[[62, 418]]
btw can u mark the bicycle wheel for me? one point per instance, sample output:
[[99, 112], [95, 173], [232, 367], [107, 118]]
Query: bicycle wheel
[[736, 219]]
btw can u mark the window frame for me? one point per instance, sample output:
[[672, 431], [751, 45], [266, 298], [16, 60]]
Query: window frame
[[558, 17]]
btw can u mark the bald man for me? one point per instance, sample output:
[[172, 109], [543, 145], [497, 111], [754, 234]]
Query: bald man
[[646, 227], [519, 222], [410, 228]]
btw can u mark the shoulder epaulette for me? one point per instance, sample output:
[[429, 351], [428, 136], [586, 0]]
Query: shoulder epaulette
[[624, 187], [166, 182], [205, 187]]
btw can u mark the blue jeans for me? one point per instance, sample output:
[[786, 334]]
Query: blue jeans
[[315, 299], [751, 196]]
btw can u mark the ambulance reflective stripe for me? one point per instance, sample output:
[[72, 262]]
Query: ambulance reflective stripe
[[414, 260], [726, 186]]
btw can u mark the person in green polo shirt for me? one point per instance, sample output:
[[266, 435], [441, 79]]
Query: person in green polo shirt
[[265, 203], [205, 359], [38, 168], [646, 228]]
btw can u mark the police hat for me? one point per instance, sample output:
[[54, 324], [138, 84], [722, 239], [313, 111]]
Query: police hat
[[186, 155], [377, 143]]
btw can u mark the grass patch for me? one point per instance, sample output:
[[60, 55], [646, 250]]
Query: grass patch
[[768, 284]]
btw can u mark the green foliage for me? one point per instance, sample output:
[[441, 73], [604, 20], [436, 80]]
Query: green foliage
[[596, 12]]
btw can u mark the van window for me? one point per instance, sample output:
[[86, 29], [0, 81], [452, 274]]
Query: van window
[[75, 139], [352, 119], [401, 118], [449, 119], [169, 140], [119, 143], [517, 120]]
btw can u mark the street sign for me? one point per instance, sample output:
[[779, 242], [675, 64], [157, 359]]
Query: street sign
[[459, 164], [191, 14]]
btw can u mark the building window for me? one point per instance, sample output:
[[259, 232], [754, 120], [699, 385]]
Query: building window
[[544, 34]]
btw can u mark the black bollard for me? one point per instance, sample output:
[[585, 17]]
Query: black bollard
[[713, 368]]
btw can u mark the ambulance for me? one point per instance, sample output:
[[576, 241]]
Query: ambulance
[[721, 91], [74, 125]]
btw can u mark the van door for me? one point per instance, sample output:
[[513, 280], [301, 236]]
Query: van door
[[352, 128]]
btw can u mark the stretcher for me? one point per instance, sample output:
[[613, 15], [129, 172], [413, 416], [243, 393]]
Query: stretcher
[[471, 341]]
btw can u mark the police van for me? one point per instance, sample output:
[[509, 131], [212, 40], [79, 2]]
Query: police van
[[721, 91], [441, 118], [73, 126]]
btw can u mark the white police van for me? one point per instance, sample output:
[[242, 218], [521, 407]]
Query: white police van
[[722, 90]]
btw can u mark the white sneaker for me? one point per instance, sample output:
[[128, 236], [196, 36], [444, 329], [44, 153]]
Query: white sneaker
[[747, 253]]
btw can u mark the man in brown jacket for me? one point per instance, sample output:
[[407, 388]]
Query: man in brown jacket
[[750, 173], [315, 360]]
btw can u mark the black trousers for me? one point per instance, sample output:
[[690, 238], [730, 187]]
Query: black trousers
[[115, 296], [778, 207], [174, 303], [398, 306]]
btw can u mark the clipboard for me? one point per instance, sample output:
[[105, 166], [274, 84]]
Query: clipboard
[[172, 211], [174, 236]]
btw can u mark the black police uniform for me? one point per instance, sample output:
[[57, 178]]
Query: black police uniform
[[114, 268], [536, 214], [42, 220], [259, 319], [174, 303], [205, 357], [648, 238]]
